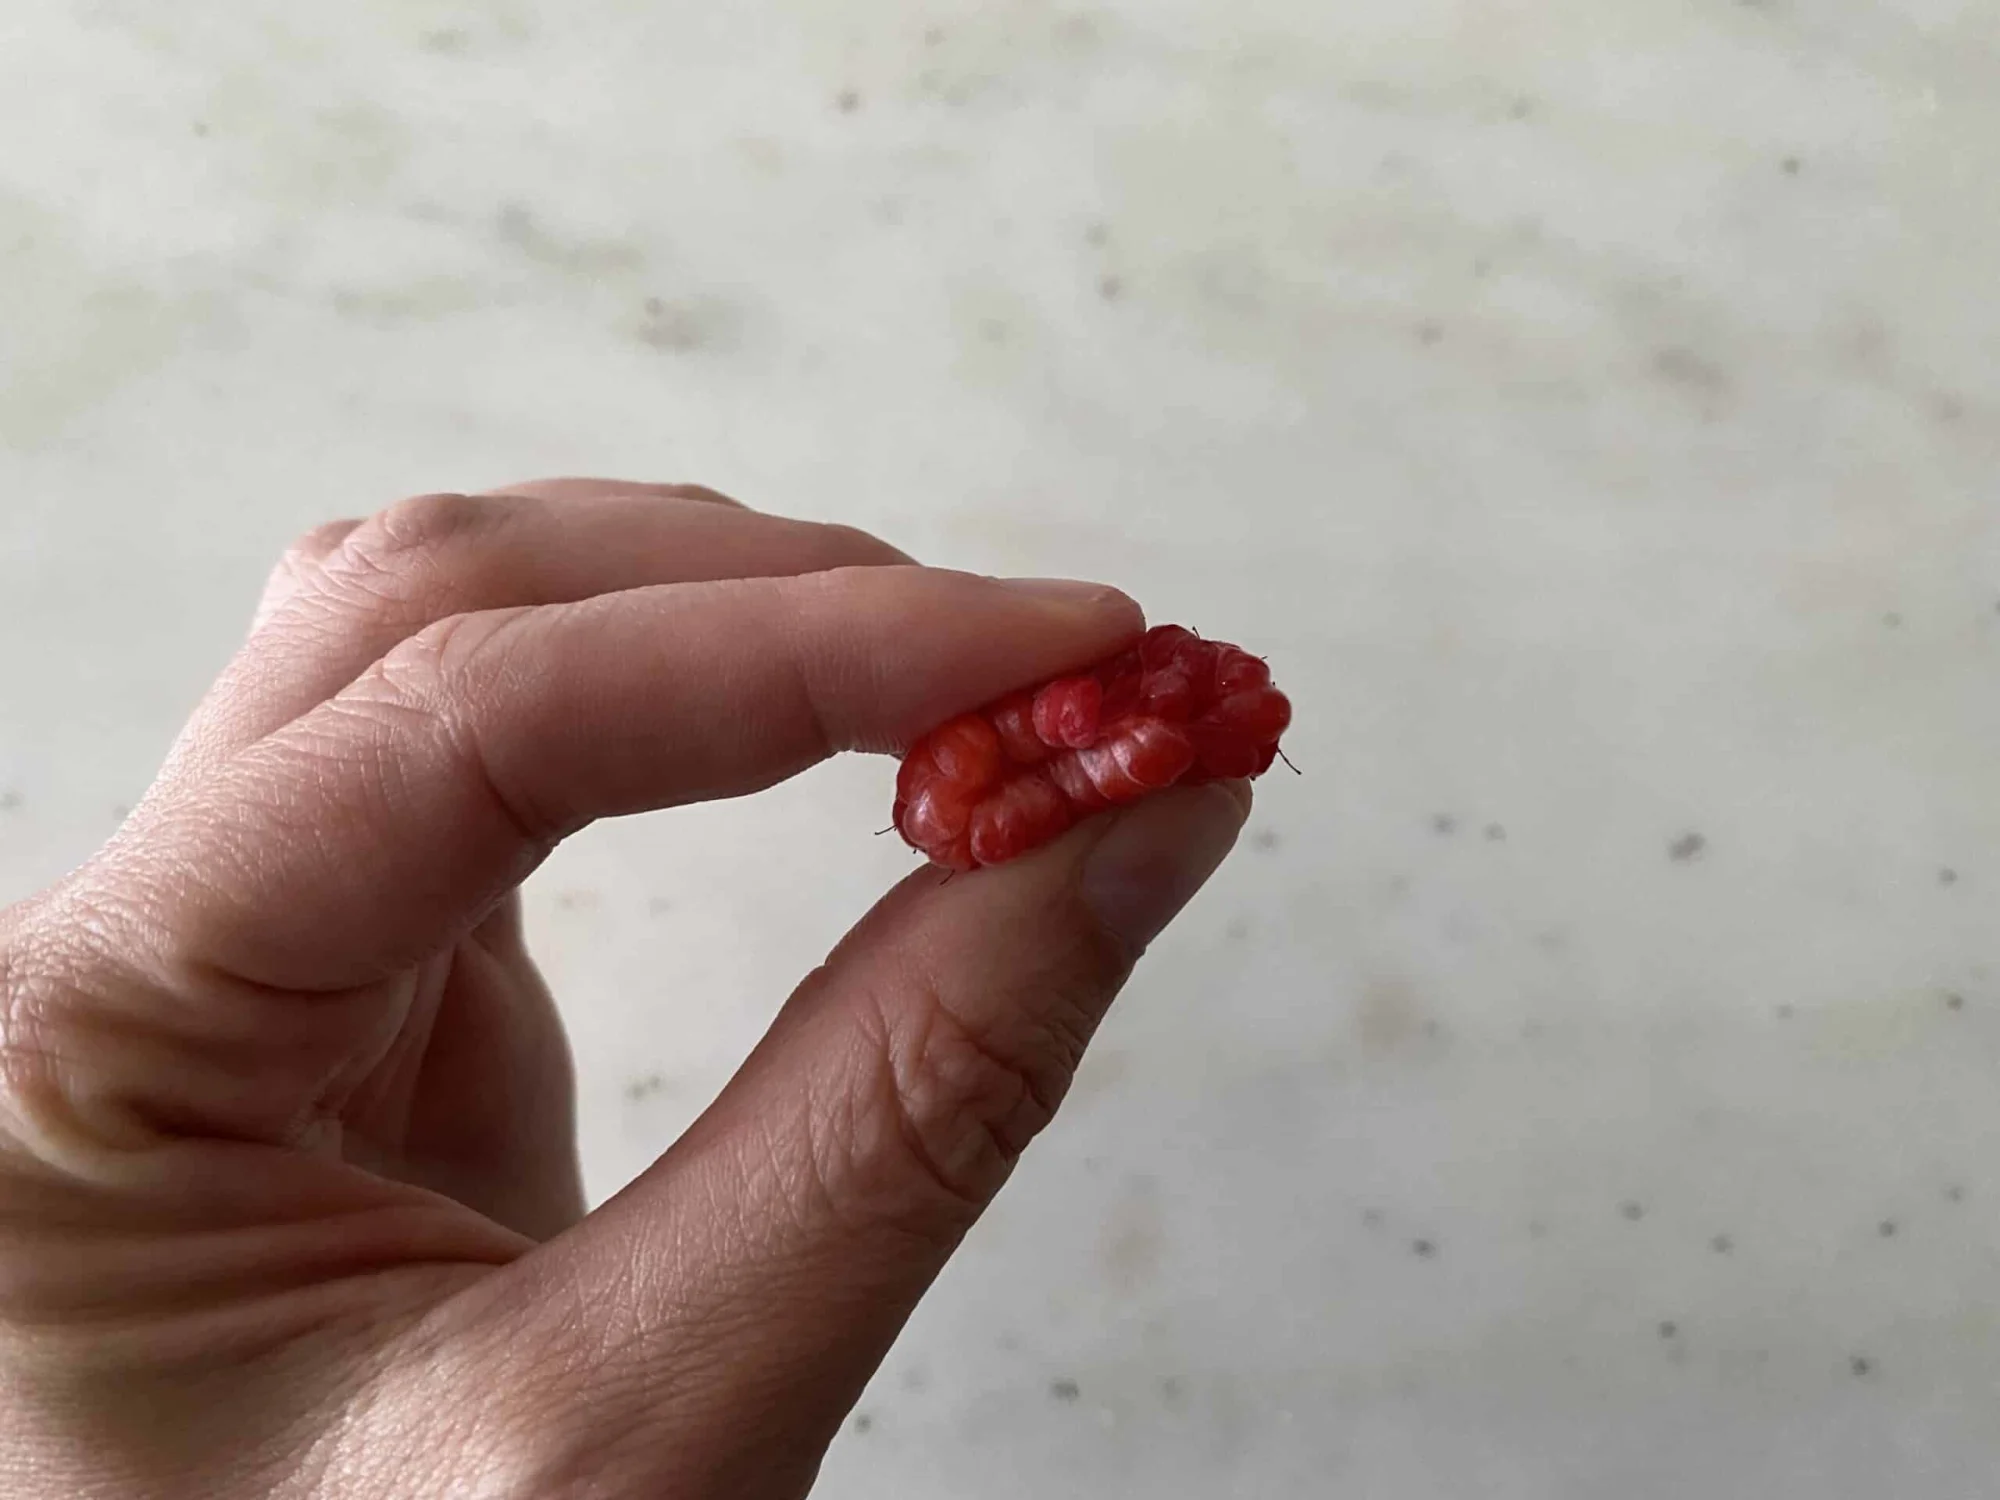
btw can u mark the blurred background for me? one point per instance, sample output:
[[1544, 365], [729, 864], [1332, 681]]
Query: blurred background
[[1586, 1079]]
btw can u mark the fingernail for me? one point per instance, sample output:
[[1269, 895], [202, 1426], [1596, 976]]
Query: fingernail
[[1160, 853], [1062, 590]]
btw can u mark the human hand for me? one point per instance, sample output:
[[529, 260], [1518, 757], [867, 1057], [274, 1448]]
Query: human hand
[[289, 1200]]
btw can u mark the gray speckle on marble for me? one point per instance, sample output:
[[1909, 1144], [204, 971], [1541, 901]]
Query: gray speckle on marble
[[1687, 848]]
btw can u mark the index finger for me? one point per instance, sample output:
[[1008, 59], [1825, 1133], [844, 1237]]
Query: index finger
[[381, 825]]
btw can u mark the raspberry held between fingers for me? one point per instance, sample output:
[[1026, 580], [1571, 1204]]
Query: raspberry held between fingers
[[1175, 710]]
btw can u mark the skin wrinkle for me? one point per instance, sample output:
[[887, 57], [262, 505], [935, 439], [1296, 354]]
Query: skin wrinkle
[[668, 1384], [230, 822], [78, 1106], [913, 1084], [324, 1357], [466, 1144], [317, 752], [764, 1176], [820, 737], [371, 1082], [812, 644], [421, 674], [387, 800], [302, 1015], [834, 1130], [396, 1384], [299, 570], [706, 1326], [560, 1373], [21, 1021], [358, 585], [246, 1261], [109, 935], [313, 1113]]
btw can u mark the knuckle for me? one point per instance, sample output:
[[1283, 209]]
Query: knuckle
[[702, 493], [435, 685], [442, 665], [966, 1098], [426, 524], [405, 554], [831, 597], [451, 649], [849, 544]]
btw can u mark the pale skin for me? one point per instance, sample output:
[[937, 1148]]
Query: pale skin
[[289, 1196]]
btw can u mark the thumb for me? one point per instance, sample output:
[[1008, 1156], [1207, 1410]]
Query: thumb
[[741, 1293]]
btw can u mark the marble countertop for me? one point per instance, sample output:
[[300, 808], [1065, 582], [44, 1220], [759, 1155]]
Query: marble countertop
[[1586, 1081]]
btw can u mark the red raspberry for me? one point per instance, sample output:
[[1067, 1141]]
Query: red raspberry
[[1175, 710]]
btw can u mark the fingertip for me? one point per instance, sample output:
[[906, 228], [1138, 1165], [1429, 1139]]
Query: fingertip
[[929, 643], [1097, 606], [1140, 874], [1069, 591]]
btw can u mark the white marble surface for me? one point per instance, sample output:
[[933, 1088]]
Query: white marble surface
[[1594, 409]]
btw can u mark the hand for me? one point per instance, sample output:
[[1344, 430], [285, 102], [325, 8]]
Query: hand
[[289, 1201]]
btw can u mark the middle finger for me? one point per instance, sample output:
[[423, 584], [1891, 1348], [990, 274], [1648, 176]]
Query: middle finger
[[437, 556]]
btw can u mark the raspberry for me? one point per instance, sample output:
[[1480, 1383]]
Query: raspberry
[[1175, 710]]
